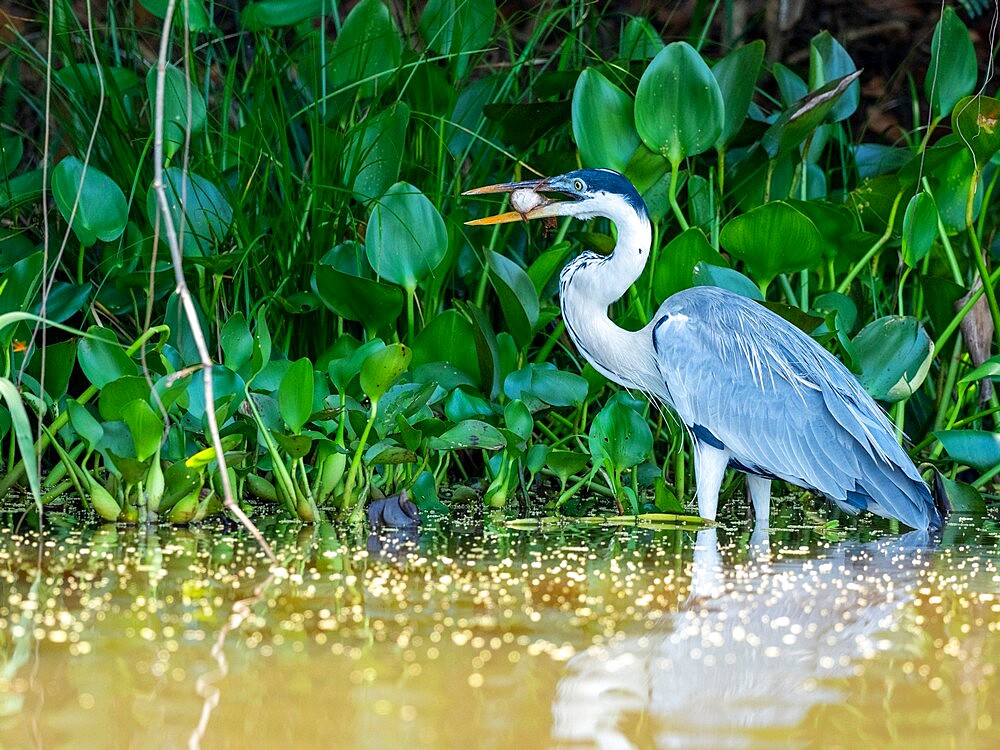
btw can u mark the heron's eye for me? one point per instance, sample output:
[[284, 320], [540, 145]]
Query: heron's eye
[[578, 185]]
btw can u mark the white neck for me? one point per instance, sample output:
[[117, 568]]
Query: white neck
[[590, 284]]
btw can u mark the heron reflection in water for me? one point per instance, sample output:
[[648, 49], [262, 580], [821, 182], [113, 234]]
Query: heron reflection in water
[[755, 393]]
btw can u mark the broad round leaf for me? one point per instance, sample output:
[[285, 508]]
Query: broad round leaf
[[295, 394], [773, 238], [603, 122], [406, 237], [639, 40], [975, 119], [375, 151], [737, 75], [828, 61], [103, 360], [367, 301], [382, 368], [118, 394], [368, 48], [675, 267], [800, 119], [894, 354], [262, 14], [679, 111], [206, 214], [976, 448], [457, 27], [85, 424], [619, 435], [952, 71], [448, 337], [101, 212], [920, 227], [146, 426], [472, 433], [517, 294], [706, 274], [183, 106]]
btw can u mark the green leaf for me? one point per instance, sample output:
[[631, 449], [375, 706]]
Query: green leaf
[[24, 436], [603, 122], [517, 417], [343, 370], [976, 448], [706, 274], [382, 368], [237, 343], [183, 107], [566, 463], [296, 446], [773, 238], [920, 228], [800, 120], [952, 71], [265, 14], [457, 27], [679, 111], [471, 433], [639, 40], [368, 49], [118, 394], [619, 435], [736, 74], [101, 211], [85, 425], [206, 214], [542, 382], [975, 119], [374, 152], [103, 359], [674, 269], [295, 394], [370, 302], [988, 369], [194, 11], [64, 300], [11, 151], [406, 238], [894, 354], [829, 61], [146, 426], [448, 337], [517, 294]]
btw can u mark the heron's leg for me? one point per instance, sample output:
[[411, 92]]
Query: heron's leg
[[759, 490], [709, 467]]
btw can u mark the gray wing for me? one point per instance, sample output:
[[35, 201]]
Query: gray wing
[[743, 378]]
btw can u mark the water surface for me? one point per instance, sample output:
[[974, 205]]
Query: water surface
[[465, 636]]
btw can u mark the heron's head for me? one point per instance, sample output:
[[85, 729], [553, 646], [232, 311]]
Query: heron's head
[[583, 193]]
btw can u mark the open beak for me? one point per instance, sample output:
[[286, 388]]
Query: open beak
[[526, 200]]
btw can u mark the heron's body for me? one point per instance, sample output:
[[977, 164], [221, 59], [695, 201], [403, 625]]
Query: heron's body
[[756, 393]]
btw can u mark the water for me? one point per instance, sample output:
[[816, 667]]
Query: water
[[473, 638]]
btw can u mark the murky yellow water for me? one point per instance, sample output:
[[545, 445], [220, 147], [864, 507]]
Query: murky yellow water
[[569, 638]]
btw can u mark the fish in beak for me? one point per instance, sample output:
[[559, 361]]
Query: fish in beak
[[526, 200]]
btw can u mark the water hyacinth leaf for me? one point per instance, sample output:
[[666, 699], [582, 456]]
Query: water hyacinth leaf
[[517, 418], [962, 498], [706, 274], [675, 268], [85, 425], [102, 358], [382, 368], [295, 394], [920, 227], [620, 436], [406, 237], [11, 151], [800, 120], [565, 464], [265, 14], [471, 433], [952, 71], [64, 300], [639, 40], [976, 448], [374, 152], [542, 382], [193, 12], [461, 404], [790, 84], [367, 301], [975, 119], [828, 61], [206, 215], [951, 173], [603, 122], [60, 362], [773, 238], [368, 49], [228, 389], [679, 111], [183, 107], [894, 354], [343, 370], [517, 295], [118, 394], [736, 74], [237, 343], [296, 446], [447, 338], [146, 426], [101, 212], [457, 27]]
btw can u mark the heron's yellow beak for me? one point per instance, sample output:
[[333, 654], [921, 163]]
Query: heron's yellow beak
[[526, 200]]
